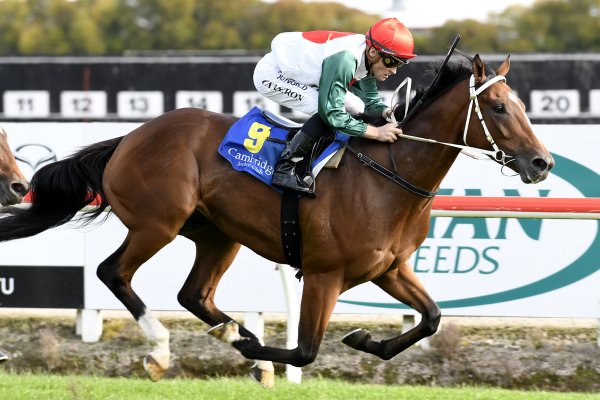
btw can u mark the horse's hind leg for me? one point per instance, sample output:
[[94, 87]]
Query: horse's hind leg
[[402, 284], [214, 254], [116, 273]]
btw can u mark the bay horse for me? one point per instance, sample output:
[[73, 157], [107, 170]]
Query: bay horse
[[166, 178], [13, 184]]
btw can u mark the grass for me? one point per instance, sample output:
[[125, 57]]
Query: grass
[[53, 387]]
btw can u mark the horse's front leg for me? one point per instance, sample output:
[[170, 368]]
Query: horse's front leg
[[319, 297], [402, 284]]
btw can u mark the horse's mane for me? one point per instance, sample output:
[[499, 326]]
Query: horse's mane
[[455, 71]]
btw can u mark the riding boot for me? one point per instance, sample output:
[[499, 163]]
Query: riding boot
[[285, 171]]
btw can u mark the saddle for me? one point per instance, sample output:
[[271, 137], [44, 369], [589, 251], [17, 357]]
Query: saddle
[[254, 143]]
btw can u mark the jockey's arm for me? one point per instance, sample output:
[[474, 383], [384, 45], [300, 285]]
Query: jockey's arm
[[338, 71]]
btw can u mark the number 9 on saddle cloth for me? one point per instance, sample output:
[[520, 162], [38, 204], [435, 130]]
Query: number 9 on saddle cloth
[[254, 143]]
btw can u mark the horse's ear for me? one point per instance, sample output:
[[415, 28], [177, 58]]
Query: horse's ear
[[504, 67], [478, 70], [2, 131]]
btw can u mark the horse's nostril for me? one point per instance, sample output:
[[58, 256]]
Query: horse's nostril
[[539, 164], [19, 188]]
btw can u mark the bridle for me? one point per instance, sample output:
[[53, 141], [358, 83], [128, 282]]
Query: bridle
[[474, 152], [497, 154]]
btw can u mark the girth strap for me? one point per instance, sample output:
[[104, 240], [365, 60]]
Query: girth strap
[[290, 230], [369, 162]]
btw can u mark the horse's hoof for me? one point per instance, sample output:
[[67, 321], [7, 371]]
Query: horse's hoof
[[228, 332], [266, 378], [357, 338], [155, 371], [3, 357]]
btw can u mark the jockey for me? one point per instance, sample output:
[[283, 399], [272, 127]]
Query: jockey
[[331, 76]]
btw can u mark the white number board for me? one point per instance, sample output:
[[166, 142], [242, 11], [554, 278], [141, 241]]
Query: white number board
[[132, 104], [555, 103], [244, 101], [82, 104], [209, 100], [26, 103], [595, 101]]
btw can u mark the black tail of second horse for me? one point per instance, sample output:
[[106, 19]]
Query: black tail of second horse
[[59, 190]]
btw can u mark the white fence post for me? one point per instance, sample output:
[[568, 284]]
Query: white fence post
[[253, 321], [409, 321], [88, 325]]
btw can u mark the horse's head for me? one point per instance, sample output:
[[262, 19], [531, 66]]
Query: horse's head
[[13, 185], [504, 127]]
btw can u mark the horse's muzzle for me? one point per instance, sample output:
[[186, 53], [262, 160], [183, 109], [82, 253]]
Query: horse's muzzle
[[14, 194], [537, 169]]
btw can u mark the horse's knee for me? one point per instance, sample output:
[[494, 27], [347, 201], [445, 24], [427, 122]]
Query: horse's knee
[[107, 275], [198, 304], [107, 270], [431, 320], [303, 357], [184, 300], [190, 301], [120, 285]]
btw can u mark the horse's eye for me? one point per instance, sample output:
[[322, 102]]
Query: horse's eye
[[499, 108]]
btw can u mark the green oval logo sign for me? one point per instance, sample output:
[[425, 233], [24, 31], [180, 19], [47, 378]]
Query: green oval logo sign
[[580, 177]]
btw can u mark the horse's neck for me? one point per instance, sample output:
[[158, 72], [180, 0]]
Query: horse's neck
[[427, 164]]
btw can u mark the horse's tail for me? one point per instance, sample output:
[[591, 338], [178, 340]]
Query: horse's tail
[[59, 190]]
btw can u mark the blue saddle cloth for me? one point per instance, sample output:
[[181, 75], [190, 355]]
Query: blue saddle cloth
[[253, 145]]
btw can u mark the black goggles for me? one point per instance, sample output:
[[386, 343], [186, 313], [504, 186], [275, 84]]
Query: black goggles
[[391, 61]]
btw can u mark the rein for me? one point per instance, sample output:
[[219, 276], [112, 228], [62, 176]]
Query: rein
[[369, 162], [496, 154], [417, 107]]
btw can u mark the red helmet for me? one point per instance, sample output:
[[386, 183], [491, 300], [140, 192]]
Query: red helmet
[[391, 36]]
